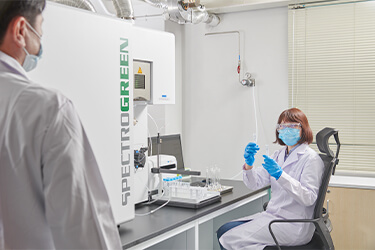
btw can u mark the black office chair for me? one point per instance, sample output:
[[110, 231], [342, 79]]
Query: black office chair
[[322, 238]]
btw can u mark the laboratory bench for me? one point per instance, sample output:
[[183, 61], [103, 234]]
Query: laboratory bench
[[187, 228], [350, 201], [352, 182]]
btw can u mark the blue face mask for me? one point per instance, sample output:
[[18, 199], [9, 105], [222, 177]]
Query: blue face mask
[[31, 61], [290, 136]]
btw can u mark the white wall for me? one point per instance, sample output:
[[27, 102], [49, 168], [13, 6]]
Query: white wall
[[213, 112], [218, 115]]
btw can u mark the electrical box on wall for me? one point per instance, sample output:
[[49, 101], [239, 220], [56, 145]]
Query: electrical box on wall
[[142, 80]]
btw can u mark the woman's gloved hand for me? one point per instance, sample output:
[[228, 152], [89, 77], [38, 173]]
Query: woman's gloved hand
[[250, 151], [272, 167]]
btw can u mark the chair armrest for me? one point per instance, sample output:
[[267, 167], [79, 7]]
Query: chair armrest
[[315, 221]]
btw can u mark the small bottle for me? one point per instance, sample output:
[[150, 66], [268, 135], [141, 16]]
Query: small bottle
[[166, 187]]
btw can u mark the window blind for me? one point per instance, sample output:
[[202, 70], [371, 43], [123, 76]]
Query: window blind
[[332, 75]]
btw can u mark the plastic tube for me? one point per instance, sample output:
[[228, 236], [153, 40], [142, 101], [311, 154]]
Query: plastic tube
[[156, 125], [154, 210], [256, 117], [236, 175], [255, 135]]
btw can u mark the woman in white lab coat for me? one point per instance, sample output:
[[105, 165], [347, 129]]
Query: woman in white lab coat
[[294, 173]]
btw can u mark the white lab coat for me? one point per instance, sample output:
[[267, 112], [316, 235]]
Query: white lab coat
[[294, 196], [52, 195]]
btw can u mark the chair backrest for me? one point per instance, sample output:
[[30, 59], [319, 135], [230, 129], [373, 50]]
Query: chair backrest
[[330, 161]]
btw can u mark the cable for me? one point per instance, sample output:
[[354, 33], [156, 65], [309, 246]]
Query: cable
[[162, 194], [137, 176], [156, 125], [153, 201], [156, 209], [149, 162], [236, 175]]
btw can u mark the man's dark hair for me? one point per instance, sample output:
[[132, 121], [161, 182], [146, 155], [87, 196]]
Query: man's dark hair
[[10, 9]]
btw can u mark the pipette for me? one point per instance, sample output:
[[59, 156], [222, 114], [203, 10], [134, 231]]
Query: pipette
[[267, 150]]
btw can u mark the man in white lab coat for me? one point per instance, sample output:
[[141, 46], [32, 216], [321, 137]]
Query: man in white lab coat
[[295, 174], [52, 195]]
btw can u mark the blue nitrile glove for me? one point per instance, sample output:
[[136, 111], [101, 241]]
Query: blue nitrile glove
[[250, 151], [272, 167]]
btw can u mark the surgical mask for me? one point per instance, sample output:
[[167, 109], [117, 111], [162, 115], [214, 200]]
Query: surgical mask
[[290, 136], [31, 61]]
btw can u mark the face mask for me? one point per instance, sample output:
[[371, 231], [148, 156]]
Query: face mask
[[290, 136], [31, 61]]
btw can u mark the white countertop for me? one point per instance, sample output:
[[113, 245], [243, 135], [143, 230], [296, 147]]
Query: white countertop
[[352, 182]]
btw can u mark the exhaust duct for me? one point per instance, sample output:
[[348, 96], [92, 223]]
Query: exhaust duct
[[162, 4], [124, 9], [185, 11], [82, 4]]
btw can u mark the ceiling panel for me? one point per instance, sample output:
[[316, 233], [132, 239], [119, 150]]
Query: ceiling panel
[[223, 3], [225, 6], [215, 6]]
